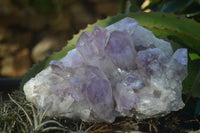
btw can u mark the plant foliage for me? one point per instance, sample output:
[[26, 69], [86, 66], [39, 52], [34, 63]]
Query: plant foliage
[[182, 32]]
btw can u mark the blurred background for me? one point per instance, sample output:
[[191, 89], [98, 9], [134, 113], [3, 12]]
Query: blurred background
[[30, 30]]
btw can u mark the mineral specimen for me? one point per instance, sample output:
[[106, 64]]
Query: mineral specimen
[[122, 70]]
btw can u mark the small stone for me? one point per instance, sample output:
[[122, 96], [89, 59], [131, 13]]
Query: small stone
[[122, 70]]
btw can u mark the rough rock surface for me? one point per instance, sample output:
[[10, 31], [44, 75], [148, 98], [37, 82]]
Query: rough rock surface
[[122, 70]]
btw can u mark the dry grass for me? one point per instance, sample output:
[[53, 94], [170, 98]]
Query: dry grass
[[20, 116]]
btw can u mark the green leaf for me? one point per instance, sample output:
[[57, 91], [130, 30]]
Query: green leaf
[[183, 32], [176, 5], [191, 85], [194, 56]]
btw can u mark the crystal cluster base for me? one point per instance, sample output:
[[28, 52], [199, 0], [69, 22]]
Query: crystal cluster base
[[120, 70]]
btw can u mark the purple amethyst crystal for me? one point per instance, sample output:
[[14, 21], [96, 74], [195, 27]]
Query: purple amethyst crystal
[[119, 49], [120, 70], [99, 93]]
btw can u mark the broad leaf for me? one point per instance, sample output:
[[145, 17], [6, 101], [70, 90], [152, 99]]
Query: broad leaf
[[183, 33]]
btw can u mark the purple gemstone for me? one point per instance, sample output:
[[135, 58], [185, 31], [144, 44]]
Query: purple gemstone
[[133, 81], [72, 59], [125, 25], [99, 38], [120, 70], [125, 97], [151, 61], [120, 50], [99, 92], [77, 84]]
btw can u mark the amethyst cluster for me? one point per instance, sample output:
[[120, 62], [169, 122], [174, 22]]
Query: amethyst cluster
[[120, 70]]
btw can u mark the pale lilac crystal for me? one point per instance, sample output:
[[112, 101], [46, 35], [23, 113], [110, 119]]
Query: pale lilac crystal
[[77, 84], [90, 44], [125, 97], [92, 49], [144, 39], [120, 70], [130, 27], [72, 59], [98, 38], [99, 93], [120, 50], [179, 59], [151, 61], [133, 80]]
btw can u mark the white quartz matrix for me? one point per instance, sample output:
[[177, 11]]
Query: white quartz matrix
[[120, 70]]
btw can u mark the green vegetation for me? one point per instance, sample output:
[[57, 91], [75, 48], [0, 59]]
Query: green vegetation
[[18, 115], [167, 26], [24, 117]]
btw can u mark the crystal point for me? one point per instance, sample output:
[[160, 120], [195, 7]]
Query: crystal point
[[120, 70]]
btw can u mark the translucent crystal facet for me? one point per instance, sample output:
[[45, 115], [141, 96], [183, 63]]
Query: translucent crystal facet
[[120, 70]]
